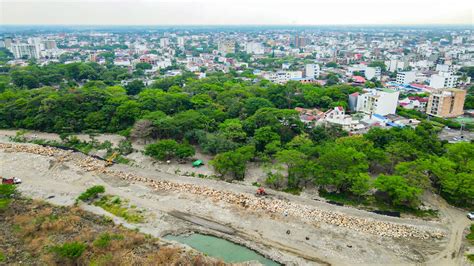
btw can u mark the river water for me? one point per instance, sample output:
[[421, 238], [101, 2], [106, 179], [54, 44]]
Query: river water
[[220, 248]]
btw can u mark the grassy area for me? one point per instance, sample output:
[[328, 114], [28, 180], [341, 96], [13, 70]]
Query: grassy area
[[470, 236], [4, 203], [112, 204], [105, 239], [471, 257], [120, 208], [37, 233]]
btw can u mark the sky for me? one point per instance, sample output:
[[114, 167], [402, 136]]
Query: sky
[[235, 12]]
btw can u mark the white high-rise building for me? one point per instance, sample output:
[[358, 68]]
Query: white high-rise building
[[406, 77], [50, 45], [372, 72], [254, 48], [36, 42], [312, 71], [396, 65], [164, 42], [226, 47], [444, 68], [382, 101], [21, 50], [443, 80], [180, 41]]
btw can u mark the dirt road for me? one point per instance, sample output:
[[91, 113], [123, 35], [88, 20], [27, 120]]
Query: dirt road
[[290, 240], [456, 218]]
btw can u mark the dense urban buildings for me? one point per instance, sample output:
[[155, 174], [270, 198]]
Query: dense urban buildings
[[382, 63]]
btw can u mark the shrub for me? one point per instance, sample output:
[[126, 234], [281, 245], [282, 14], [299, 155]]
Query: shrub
[[125, 147], [275, 180], [167, 149], [184, 151], [162, 150], [91, 193], [104, 240], [7, 191], [72, 250], [19, 136], [470, 236]]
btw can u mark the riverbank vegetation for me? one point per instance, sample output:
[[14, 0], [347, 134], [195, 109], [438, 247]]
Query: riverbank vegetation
[[112, 204], [239, 120]]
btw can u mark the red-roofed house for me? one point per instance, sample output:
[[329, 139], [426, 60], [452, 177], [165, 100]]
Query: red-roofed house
[[358, 79]]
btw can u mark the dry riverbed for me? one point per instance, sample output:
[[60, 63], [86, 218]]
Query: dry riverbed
[[286, 228]]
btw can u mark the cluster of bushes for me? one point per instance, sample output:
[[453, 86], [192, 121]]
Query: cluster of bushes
[[71, 250], [91, 193], [169, 149], [120, 208]]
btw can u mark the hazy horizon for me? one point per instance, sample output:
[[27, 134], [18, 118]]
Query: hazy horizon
[[235, 13]]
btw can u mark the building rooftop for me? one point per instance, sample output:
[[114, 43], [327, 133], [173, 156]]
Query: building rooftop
[[387, 90]]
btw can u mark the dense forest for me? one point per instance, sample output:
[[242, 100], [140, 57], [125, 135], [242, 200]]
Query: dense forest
[[240, 120]]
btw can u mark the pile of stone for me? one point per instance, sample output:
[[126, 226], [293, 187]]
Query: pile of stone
[[271, 206], [36, 149]]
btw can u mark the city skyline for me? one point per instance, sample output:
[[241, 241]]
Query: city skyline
[[228, 12]]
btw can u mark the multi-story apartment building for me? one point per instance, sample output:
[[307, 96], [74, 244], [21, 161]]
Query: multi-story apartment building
[[406, 77], [312, 71], [380, 101], [254, 48], [368, 72], [226, 47], [21, 50], [50, 45], [299, 41], [443, 80], [396, 64], [446, 103], [444, 68], [282, 77], [164, 42], [180, 41]]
